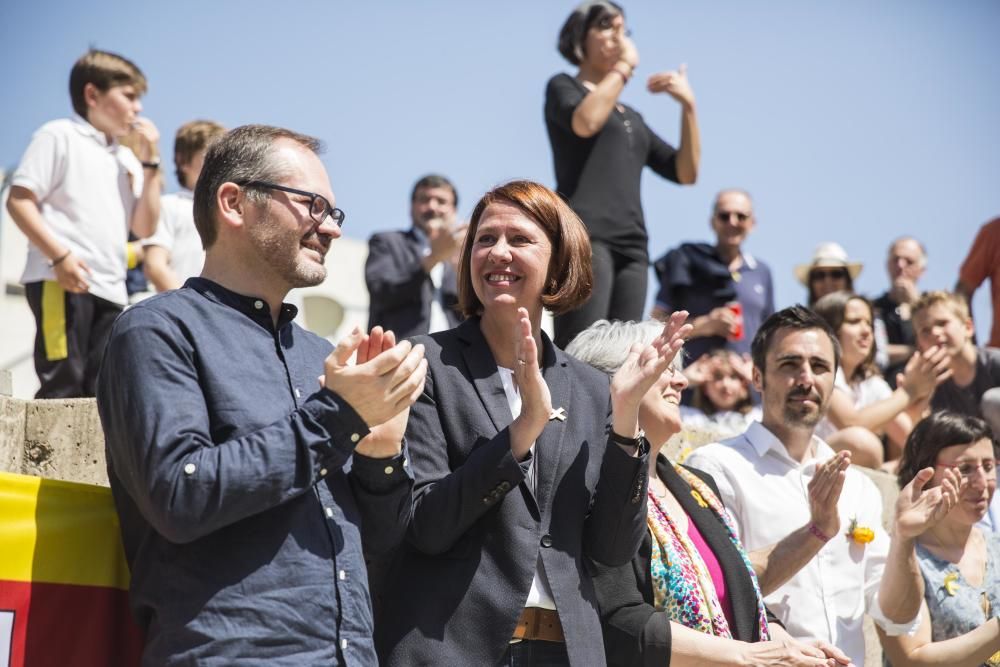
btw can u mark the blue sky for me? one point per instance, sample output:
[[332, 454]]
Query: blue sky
[[849, 121]]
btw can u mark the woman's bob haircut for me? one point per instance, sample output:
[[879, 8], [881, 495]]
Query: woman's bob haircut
[[574, 31], [570, 277]]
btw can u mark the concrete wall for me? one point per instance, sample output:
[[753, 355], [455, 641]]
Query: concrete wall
[[55, 439]]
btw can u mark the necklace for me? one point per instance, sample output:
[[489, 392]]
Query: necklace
[[652, 489]]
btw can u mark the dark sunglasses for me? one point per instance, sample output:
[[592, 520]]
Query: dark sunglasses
[[832, 274], [726, 215]]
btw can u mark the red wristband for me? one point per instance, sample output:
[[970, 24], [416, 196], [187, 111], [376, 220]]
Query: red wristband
[[819, 534]]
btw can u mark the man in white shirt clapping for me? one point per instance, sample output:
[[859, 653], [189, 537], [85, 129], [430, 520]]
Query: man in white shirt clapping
[[763, 476]]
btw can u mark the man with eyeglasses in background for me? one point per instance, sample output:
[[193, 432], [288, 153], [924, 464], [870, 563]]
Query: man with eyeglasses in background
[[726, 290], [254, 468], [410, 274]]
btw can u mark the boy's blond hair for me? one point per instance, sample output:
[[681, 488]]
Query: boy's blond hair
[[953, 302], [105, 70], [191, 138]]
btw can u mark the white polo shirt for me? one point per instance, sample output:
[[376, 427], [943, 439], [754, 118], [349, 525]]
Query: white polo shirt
[[86, 190], [767, 492], [176, 232]]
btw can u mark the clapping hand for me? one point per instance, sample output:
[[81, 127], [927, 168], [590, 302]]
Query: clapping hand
[[642, 368], [919, 508], [536, 401], [824, 493], [385, 381], [924, 372]]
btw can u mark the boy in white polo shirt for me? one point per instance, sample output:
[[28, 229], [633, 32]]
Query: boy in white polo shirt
[[76, 195], [174, 253]]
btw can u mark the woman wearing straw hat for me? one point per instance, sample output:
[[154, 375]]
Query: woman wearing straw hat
[[829, 271]]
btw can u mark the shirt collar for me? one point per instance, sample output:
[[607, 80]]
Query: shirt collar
[[84, 127], [253, 307], [748, 260], [763, 441]]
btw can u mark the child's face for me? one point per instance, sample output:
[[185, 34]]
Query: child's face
[[113, 111], [938, 325]]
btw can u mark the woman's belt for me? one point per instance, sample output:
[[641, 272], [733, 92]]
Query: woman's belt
[[539, 624]]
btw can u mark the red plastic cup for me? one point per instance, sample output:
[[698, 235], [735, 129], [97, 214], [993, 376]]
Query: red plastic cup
[[736, 308]]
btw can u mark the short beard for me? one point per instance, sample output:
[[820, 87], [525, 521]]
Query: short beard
[[272, 248]]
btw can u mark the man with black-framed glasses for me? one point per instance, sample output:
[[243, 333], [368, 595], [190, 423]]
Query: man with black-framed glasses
[[251, 491], [727, 291]]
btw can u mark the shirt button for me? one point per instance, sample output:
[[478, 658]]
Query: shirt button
[[322, 472], [190, 468], [298, 393], [343, 643], [329, 512], [406, 463], [342, 575], [388, 470], [546, 541], [355, 437], [258, 304]]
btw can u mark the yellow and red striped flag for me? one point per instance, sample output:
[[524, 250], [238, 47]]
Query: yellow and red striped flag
[[63, 577]]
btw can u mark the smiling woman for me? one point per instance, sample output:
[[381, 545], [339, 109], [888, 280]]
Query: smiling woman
[[960, 564], [521, 471]]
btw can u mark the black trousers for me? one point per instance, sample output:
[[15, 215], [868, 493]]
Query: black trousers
[[619, 294], [71, 332], [535, 653]]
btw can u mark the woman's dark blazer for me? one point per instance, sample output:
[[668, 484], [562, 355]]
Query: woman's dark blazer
[[635, 633], [454, 591]]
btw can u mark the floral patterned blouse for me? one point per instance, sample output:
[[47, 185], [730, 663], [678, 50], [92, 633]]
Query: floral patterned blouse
[[955, 605]]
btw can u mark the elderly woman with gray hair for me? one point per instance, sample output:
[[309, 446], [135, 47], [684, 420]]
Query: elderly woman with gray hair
[[691, 595], [600, 147]]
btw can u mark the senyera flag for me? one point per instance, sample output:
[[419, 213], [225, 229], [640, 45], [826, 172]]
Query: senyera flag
[[63, 577]]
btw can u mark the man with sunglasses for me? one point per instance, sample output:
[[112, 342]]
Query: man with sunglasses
[[727, 291], [253, 468]]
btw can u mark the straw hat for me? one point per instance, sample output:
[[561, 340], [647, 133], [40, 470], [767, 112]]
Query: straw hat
[[828, 256]]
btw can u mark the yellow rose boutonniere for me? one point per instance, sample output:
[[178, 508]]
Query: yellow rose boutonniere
[[951, 583], [698, 499], [860, 534]]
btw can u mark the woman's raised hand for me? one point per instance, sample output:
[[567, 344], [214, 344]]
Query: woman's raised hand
[[536, 402], [674, 83], [642, 368]]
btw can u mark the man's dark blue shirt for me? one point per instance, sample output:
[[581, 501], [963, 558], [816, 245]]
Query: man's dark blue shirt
[[244, 516]]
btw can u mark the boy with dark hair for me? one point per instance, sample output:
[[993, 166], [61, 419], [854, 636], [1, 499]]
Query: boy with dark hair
[[942, 318], [174, 253], [76, 195]]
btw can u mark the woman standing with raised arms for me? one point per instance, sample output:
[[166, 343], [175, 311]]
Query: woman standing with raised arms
[[600, 147], [525, 460]]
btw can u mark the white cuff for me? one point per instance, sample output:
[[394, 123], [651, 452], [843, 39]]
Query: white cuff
[[893, 629]]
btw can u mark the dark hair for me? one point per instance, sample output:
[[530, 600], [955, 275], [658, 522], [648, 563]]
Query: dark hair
[[574, 31], [700, 400], [833, 308], [798, 318], [243, 154], [105, 70], [812, 292], [191, 138], [936, 432], [570, 277], [434, 181]]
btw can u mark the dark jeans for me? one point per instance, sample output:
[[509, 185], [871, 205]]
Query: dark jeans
[[71, 332], [535, 653], [619, 294]]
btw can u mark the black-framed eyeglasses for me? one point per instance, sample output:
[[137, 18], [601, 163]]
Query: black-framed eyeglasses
[[319, 206]]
